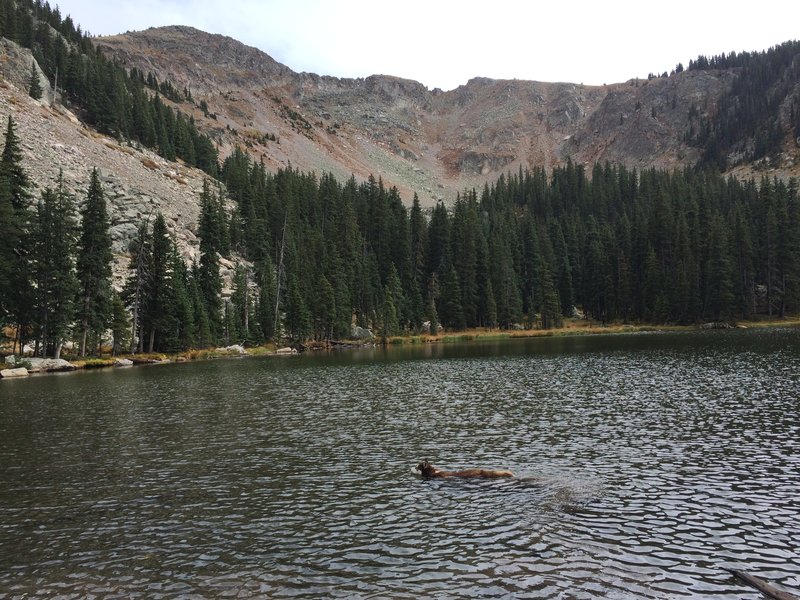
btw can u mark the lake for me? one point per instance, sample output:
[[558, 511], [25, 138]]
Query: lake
[[646, 463]]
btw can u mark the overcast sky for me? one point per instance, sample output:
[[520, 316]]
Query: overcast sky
[[444, 43]]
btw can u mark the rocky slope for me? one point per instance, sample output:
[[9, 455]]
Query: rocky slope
[[426, 141], [137, 182]]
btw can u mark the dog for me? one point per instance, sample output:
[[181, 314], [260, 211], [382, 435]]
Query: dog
[[428, 471]]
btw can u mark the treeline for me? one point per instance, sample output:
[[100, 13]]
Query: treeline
[[103, 92], [56, 272], [614, 244], [654, 246], [748, 123]]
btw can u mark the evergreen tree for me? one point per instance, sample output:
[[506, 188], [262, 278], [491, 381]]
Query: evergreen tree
[[265, 308], [120, 324], [34, 87], [11, 262], [298, 317], [160, 300], [719, 299], [210, 232], [11, 168], [54, 239], [240, 307], [136, 293], [180, 330], [200, 320], [548, 300], [94, 264]]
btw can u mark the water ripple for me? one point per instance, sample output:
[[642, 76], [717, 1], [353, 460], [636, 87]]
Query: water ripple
[[646, 466]]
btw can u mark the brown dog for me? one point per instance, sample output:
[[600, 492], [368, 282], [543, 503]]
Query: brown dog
[[427, 470]]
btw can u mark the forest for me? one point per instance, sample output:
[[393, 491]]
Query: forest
[[104, 94], [748, 124], [317, 255]]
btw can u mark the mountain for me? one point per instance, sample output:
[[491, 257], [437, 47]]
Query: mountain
[[423, 141], [430, 142]]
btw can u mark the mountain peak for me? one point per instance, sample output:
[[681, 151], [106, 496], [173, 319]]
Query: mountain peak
[[432, 143]]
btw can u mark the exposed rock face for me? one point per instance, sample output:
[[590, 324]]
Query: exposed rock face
[[426, 141], [361, 333]]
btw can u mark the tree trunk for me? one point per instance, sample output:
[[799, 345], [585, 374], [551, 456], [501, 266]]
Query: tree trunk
[[134, 326], [85, 325], [151, 343], [765, 588]]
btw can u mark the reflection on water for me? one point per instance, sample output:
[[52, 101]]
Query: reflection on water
[[647, 464]]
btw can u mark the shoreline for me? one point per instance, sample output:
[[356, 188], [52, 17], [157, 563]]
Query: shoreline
[[571, 328]]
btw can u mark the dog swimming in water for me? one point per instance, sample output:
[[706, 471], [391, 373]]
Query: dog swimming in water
[[428, 471]]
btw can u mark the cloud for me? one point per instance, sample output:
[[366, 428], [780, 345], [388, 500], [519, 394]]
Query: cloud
[[443, 43]]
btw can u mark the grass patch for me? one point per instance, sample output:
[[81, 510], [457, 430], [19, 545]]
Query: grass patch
[[94, 363]]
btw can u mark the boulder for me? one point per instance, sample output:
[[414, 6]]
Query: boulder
[[18, 372], [49, 364], [286, 350], [235, 349], [361, 333], [123, 362]]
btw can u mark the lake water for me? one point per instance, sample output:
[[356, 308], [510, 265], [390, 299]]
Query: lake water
[[647, 464]]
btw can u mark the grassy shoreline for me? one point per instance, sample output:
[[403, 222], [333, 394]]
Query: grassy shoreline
[[571, 327]]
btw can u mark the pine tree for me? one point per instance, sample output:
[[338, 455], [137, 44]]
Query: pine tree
[[94, 264], [160, 299], [34, 87], [298, 317], [265, 307], [137, 287], [10, 236], [719, 299], [240, 306], [180, 330], [548, 300], [449, 306], [210, 232], [54, 240], [119, 324], [11, 168], [16, 288]]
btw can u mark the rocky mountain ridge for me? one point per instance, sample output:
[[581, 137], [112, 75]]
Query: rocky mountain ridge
[[430, 142]]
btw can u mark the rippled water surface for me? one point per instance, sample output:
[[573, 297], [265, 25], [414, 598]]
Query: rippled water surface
[[647, 465]]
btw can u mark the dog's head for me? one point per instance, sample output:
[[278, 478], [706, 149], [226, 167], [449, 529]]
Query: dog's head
[[425, 468]]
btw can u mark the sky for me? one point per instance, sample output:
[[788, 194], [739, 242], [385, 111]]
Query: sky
[[444, 43]]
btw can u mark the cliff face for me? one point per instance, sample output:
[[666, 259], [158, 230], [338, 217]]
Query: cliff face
[[426, 141]]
